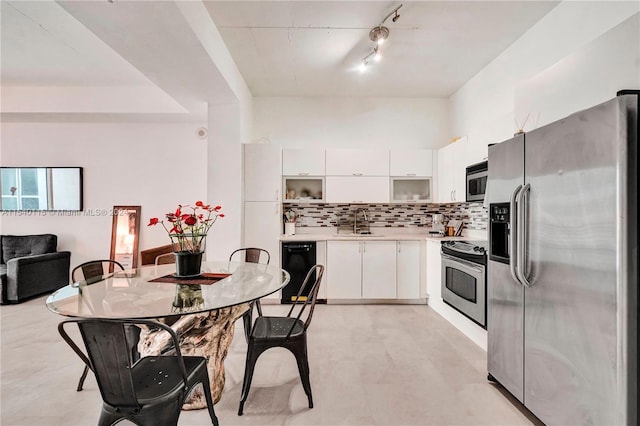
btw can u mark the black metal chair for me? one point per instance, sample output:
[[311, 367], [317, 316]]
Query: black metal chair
[[150, 391], [252, 255], [94, 271], [286, 332]]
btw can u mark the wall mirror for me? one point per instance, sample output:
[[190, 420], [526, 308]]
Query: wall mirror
[[125, 232], [41, 188]]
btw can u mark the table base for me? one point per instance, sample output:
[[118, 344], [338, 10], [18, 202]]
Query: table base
[[206, 334]]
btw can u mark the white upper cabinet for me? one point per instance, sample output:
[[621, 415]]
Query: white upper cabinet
[[357, 189], [477, 152], [411, 162], [262, 172], [303, 162], [452, 164], [357, 162]]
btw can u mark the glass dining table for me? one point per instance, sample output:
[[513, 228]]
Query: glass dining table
[[202, 309]]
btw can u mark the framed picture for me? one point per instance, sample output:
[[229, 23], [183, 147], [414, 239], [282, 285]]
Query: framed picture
[[125, 232]]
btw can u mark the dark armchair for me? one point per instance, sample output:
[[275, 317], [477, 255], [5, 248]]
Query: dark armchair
[[30, 265]]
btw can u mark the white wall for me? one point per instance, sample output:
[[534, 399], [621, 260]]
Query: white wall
[[352, 122], [587, 77], [224, 176], [152, 165], [559, 66]]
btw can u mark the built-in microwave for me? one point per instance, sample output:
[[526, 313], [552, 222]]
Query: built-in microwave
[[477, 175]]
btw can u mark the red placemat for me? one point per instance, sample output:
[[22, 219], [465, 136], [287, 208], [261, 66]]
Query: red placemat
[[203, 279]]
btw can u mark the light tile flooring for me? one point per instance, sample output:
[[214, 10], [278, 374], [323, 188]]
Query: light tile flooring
[[370, 365]]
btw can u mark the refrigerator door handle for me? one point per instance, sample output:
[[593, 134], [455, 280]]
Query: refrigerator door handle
[[513, 234], [521, 202]]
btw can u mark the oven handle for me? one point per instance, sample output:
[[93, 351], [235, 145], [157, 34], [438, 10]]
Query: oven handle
[[471, 265], [513, 234]]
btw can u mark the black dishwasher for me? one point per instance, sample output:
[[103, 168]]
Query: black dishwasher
[[297, 258]]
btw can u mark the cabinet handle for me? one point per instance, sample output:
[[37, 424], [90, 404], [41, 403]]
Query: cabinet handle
[[399, 247], [451, 196], [411, 174], [357, 201], [357, 174], [303, 174], [454, 195], [276, 194]]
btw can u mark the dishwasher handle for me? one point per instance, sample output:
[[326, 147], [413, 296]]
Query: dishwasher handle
[[298, 248]]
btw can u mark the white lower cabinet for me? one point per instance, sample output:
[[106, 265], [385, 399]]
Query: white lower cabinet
[[373, 270], [321, 259], [408, 266], [344, 270], [434, 271], [379, 270]]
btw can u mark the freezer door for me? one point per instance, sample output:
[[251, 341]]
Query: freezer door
[[573, 372], [505, 295]]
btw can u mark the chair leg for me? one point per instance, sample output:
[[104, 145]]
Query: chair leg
[[84, 376], [207, 395], [252, 356], [300, 352], [247, 318]]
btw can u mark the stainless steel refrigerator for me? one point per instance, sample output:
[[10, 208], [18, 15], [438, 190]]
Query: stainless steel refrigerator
[[562, 317]]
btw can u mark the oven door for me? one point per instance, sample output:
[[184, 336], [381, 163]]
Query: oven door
[[464, 287]]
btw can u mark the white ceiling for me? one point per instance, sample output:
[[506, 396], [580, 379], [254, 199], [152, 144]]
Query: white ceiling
[[282, 48], [313, 48]]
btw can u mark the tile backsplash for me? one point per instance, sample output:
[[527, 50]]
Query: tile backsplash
[[473, 215]]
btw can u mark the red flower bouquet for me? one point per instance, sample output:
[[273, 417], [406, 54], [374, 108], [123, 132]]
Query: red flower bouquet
[[189, 225]]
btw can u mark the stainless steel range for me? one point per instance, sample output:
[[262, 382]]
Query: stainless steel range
[[464, 278]]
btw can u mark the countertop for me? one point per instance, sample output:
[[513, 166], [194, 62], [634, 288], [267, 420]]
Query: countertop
[[382, 234]]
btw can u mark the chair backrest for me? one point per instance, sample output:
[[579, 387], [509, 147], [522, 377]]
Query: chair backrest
[[148, 256], [109, 357], [253, 255], [313, 279], [165, 259], [95, 269]]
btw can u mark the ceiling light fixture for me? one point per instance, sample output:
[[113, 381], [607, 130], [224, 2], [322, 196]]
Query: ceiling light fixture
[[375, 54], [378, 35]]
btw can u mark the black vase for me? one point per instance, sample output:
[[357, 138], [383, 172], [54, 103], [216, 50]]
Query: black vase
[[188, 264]]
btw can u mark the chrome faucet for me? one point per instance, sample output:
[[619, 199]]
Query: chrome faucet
[[355, 219]]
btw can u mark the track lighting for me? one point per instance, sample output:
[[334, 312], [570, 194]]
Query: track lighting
[[375, 54], [378, 35], [393, 12]]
